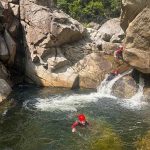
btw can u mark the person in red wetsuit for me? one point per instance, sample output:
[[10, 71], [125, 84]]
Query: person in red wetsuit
[[118, 53], [112, 75], [80, 122]]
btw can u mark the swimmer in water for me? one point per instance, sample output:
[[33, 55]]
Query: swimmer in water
[[82, 122]]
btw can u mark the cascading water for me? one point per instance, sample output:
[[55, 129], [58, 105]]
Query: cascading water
[[74, 101], [137, 101], [139, 95], [106, 86]]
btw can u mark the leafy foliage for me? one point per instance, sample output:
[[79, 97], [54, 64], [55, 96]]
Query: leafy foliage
[[90, 10]]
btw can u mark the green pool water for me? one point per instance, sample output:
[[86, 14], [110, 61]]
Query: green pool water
[[41, 119]]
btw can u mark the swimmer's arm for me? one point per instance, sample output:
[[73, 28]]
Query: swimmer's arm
[[74, 126]]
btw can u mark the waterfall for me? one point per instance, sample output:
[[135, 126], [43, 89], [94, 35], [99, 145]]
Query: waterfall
[[106, 86], [139, 95], [136, 101], [71, 102]]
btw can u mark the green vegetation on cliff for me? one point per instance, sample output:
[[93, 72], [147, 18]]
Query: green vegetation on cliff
[[90, 10]]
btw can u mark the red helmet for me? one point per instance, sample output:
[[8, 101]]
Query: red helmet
[[81, 117]]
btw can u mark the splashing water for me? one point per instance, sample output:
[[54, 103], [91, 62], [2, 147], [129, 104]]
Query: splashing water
[[106, 86], [137, 101], [72, 102], [64, 102]]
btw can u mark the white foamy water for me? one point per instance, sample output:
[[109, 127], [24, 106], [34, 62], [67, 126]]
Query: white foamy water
[[64, 103], [137, 101], [74, 101], [106, 86]]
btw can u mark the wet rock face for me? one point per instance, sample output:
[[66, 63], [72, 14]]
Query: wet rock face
[[125, 87]]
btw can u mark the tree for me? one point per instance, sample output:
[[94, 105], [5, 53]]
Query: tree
[[90, 10]]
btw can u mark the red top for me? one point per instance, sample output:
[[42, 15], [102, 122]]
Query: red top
[[119, 50], [77, 123]]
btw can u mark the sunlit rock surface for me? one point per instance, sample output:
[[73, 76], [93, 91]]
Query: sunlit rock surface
[[60, 51], [130, 9], [137, 41]]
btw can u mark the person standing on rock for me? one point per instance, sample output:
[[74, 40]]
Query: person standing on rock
[[118, 53]]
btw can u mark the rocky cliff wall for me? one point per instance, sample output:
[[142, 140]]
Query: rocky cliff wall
[[60, 52], [135, 20], [9, 30], [51, 48]]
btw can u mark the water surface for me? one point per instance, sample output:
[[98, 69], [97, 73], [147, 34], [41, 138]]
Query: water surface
[[41, 119]]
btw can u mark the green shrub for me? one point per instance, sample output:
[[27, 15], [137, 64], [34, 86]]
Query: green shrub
[[90, 10]]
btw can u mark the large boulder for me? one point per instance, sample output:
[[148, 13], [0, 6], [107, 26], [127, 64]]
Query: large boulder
[[45, 30], [51, 70], [110, 32], [130, 9], [5, 89], [137, 51], [92, 69], [9, 29], [125, 87]]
